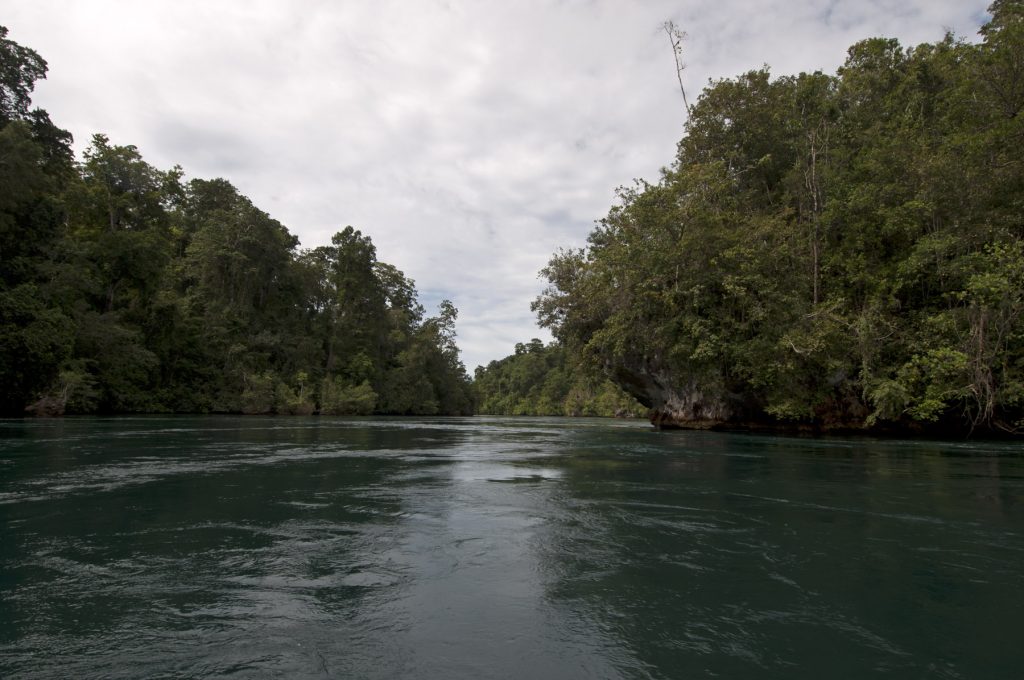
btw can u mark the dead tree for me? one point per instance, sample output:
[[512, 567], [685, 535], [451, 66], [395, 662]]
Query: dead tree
[[676, 36]]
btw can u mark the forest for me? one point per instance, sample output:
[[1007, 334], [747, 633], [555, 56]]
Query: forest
[[125, 288], [825, 252], [548, 380]]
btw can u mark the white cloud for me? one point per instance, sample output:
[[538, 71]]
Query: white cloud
[[468, 139]]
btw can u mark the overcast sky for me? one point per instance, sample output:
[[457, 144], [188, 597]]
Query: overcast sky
[[470, 140]]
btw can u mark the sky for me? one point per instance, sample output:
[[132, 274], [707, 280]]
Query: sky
[[469, 139]]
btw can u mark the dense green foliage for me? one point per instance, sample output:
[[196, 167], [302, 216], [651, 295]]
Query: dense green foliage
[[548, 381], [835, 250], [124, 288]]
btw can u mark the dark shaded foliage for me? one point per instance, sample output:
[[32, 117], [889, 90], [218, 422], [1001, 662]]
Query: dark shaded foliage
[[125, 289]]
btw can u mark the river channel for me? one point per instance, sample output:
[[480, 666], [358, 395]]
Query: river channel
[[180, 547]]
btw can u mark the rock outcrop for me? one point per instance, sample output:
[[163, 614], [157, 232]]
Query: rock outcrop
[[707, 404], [48, 406], [682, 404]]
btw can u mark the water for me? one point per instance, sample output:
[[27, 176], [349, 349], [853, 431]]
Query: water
[[501, 548]]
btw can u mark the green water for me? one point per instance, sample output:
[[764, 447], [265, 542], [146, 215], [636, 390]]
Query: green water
[[501, 548]]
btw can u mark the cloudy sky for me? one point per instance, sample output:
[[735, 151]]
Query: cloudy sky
[[469, 139]]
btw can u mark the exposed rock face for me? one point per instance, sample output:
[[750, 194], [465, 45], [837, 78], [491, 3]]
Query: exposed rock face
[[708, 405], [49, 406], [683, 404], [691, 408]]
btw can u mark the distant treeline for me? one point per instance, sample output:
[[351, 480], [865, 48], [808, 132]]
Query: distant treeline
[[827, 251], [124, 288], [548, 381]]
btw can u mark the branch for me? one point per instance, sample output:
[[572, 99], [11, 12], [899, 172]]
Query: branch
[[676, 38]]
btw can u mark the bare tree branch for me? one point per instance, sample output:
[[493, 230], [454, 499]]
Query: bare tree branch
[[676, 36]]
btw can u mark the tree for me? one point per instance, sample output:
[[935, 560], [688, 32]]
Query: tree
[[676, 36], [20, 68], [539, 380], [836, 251]]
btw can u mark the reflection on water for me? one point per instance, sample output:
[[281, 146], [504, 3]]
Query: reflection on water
[[499, 547]]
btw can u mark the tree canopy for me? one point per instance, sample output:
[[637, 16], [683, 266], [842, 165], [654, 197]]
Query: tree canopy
[[126, 288], [833, 251], [539, 380]]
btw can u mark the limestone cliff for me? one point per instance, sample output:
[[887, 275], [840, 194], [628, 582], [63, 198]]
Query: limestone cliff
[[708, 404]]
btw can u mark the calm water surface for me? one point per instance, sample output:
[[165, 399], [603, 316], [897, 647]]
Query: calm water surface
[[501, 548]]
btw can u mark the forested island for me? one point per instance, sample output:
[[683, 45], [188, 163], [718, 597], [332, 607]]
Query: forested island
[[825, 253], [549, 380], [124, 288]]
